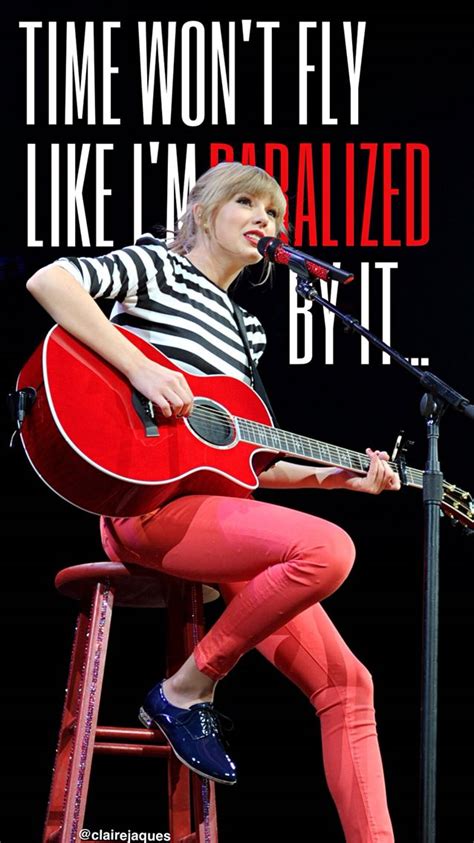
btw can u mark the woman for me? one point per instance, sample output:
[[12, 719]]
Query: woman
[[273, 565]]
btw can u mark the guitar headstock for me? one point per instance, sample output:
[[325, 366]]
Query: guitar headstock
[[458, 505]]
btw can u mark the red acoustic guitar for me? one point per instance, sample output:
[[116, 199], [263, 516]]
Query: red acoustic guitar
[[99, 444]]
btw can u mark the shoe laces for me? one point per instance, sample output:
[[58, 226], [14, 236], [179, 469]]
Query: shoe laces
[[212, 720]]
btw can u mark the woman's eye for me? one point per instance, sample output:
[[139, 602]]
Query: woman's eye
[[246, 200]]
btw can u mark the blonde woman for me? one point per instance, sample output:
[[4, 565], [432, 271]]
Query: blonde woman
[[273, 565]]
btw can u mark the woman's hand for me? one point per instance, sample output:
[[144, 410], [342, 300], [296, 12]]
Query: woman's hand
[[378, 478], [165, 388], [287, 475]]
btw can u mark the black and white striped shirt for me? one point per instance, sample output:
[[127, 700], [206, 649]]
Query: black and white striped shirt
[[166, 300]]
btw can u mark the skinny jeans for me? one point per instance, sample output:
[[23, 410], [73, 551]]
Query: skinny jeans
[[273, 566]]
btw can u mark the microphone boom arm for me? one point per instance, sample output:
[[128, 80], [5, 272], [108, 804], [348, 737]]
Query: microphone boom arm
[[444, 393]]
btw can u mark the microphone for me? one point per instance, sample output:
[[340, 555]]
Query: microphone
[[276, 251]]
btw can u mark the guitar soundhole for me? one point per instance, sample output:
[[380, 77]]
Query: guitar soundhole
[[212, 423]]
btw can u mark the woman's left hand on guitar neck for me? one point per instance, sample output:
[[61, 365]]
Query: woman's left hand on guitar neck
[[286, 475], [380, 476]]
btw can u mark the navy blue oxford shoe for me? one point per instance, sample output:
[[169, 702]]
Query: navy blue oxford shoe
[[194, 734]]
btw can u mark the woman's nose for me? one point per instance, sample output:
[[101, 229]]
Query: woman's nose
[[261, 216]]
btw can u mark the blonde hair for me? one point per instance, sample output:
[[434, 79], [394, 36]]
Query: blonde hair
[[216, 187]]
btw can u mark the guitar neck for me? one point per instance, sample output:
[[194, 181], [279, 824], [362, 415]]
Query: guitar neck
[[294, 445]]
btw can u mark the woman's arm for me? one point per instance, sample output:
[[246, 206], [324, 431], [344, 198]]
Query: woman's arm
[[76, 311], [73, 308], [286, 475]]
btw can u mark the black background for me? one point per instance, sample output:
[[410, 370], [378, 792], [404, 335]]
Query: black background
[[416, 86]]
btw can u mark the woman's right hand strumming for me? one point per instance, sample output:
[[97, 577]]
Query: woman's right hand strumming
[[77, 312], [165, 388]]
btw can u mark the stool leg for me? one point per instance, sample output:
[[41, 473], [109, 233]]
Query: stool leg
[[179, 798], [205, 816], [61, 770], [204, 796], [185, 612], [77, 733]]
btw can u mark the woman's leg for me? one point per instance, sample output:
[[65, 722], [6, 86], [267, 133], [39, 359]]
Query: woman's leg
[[294, 560], [290, 559], [309, 650]]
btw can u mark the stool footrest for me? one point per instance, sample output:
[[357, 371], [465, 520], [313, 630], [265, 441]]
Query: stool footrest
[[55, 837], [127, 733], [132, 749]]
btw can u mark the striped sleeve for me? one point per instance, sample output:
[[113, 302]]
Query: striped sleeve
[[119, 275]]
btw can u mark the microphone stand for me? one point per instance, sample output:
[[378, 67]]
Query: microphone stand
[[438, 396]]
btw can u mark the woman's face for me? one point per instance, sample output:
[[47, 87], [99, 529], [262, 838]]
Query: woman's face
[[240, 223]]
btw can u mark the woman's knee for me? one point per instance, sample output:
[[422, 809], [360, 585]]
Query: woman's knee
[[360, 678], [339, 546], [326, 553], [349, 687]]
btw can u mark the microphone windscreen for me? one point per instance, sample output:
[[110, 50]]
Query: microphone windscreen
[[267, 245]]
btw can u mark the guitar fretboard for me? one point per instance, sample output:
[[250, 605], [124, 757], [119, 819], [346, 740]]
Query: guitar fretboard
[[294, 445]]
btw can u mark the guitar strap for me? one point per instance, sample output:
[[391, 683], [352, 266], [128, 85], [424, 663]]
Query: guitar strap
[[257, 380]]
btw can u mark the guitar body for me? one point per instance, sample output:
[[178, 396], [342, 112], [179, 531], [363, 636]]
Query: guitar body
[[98, 444], [95, 444]]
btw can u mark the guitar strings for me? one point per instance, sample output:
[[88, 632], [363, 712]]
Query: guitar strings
[[222, 419]]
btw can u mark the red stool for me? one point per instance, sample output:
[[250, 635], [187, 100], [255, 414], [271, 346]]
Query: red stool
[[99, 586]]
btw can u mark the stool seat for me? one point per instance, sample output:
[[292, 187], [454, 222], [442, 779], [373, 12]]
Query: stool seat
[[133, 585]]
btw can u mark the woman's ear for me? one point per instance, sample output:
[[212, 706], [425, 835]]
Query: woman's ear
[[197, 214], [199, 219]]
